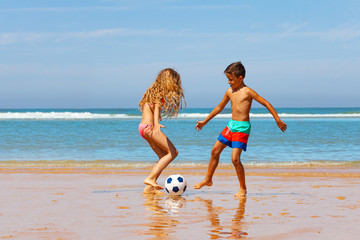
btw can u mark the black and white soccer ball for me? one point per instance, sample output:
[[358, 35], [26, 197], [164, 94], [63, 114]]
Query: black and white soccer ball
[[175, 184]]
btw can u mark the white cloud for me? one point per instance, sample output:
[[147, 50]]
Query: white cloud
[[210, 7], [341, 33], [23, 37], [344, 33], [66, 9], [10, 38], [129, 6]]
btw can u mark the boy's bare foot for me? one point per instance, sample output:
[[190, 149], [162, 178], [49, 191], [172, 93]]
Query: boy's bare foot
[[152, 182], [241, 193], [203, 183]]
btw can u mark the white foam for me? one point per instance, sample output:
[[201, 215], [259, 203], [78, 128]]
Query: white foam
[[268, 115], [88, 115], [61, 115], [202, 115], [330, 115]]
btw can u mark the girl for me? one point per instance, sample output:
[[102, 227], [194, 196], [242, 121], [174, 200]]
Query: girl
[[162, 98]]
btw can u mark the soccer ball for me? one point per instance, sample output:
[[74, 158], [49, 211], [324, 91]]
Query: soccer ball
[[175, 184]]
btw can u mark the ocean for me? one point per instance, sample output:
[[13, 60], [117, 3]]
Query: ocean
[[109, 137]]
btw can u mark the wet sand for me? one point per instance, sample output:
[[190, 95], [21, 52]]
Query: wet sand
[[105, 203]]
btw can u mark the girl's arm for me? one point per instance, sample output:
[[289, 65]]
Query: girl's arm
[[157, 118], [213, 113], [270, 108]]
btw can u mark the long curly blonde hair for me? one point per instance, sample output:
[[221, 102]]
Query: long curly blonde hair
[[166, 91]]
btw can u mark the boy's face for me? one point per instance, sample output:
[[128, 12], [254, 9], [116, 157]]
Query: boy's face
[[234, 82]]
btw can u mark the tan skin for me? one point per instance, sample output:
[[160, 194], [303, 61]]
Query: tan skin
[[241, 97], [160, 144]]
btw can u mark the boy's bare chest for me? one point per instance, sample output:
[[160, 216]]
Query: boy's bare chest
[[239, 96], [240, 105]]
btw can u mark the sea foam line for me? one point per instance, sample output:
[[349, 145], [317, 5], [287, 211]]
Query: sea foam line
[[268, 115], [89, 115], [136, 164], [62, 115]]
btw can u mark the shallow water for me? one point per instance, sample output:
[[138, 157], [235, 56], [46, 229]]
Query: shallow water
[[329, 136]]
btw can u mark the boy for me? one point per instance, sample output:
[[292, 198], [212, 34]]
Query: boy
[[236, 133]]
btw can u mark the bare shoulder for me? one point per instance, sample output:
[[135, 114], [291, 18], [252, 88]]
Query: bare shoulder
[[228, 92], [250, 91]]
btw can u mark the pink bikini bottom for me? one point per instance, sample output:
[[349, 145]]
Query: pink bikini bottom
[[145, 128]]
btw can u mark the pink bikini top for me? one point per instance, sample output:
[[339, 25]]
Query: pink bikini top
[[153, 105]]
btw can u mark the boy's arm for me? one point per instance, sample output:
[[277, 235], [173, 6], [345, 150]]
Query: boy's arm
[[271, 109], [214, 112]]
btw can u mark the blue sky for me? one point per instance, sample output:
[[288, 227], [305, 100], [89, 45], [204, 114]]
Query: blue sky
[[105, 53]]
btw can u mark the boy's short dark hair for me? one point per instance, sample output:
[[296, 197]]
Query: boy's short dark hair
[[237, 68]]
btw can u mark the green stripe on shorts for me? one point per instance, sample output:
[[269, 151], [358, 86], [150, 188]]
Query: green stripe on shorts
[[239, 126]]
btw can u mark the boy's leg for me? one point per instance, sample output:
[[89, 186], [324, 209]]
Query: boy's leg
[[240, 172], [213, 163]]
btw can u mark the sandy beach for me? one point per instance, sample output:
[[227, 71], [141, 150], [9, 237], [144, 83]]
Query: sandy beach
[[105, 203]]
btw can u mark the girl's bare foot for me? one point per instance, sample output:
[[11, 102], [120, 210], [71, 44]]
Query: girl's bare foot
[[203, 183], [148, 189], [151, 190], [153, 183], [241, 193]]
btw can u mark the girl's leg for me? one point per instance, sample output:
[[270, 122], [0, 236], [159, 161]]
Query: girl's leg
[[240, 172], [160, 141], [160, 153], [213, 163]]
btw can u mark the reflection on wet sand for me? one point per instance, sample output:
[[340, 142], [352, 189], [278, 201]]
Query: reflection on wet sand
[[162, 221], [237, 221]]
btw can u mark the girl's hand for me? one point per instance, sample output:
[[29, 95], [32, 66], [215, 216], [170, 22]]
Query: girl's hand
[[157, 129], [200, 125]]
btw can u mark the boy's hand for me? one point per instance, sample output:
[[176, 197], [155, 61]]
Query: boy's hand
[[200, 125], [281, 125]]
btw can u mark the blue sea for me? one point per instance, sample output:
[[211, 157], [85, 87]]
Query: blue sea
[[315, 136]]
